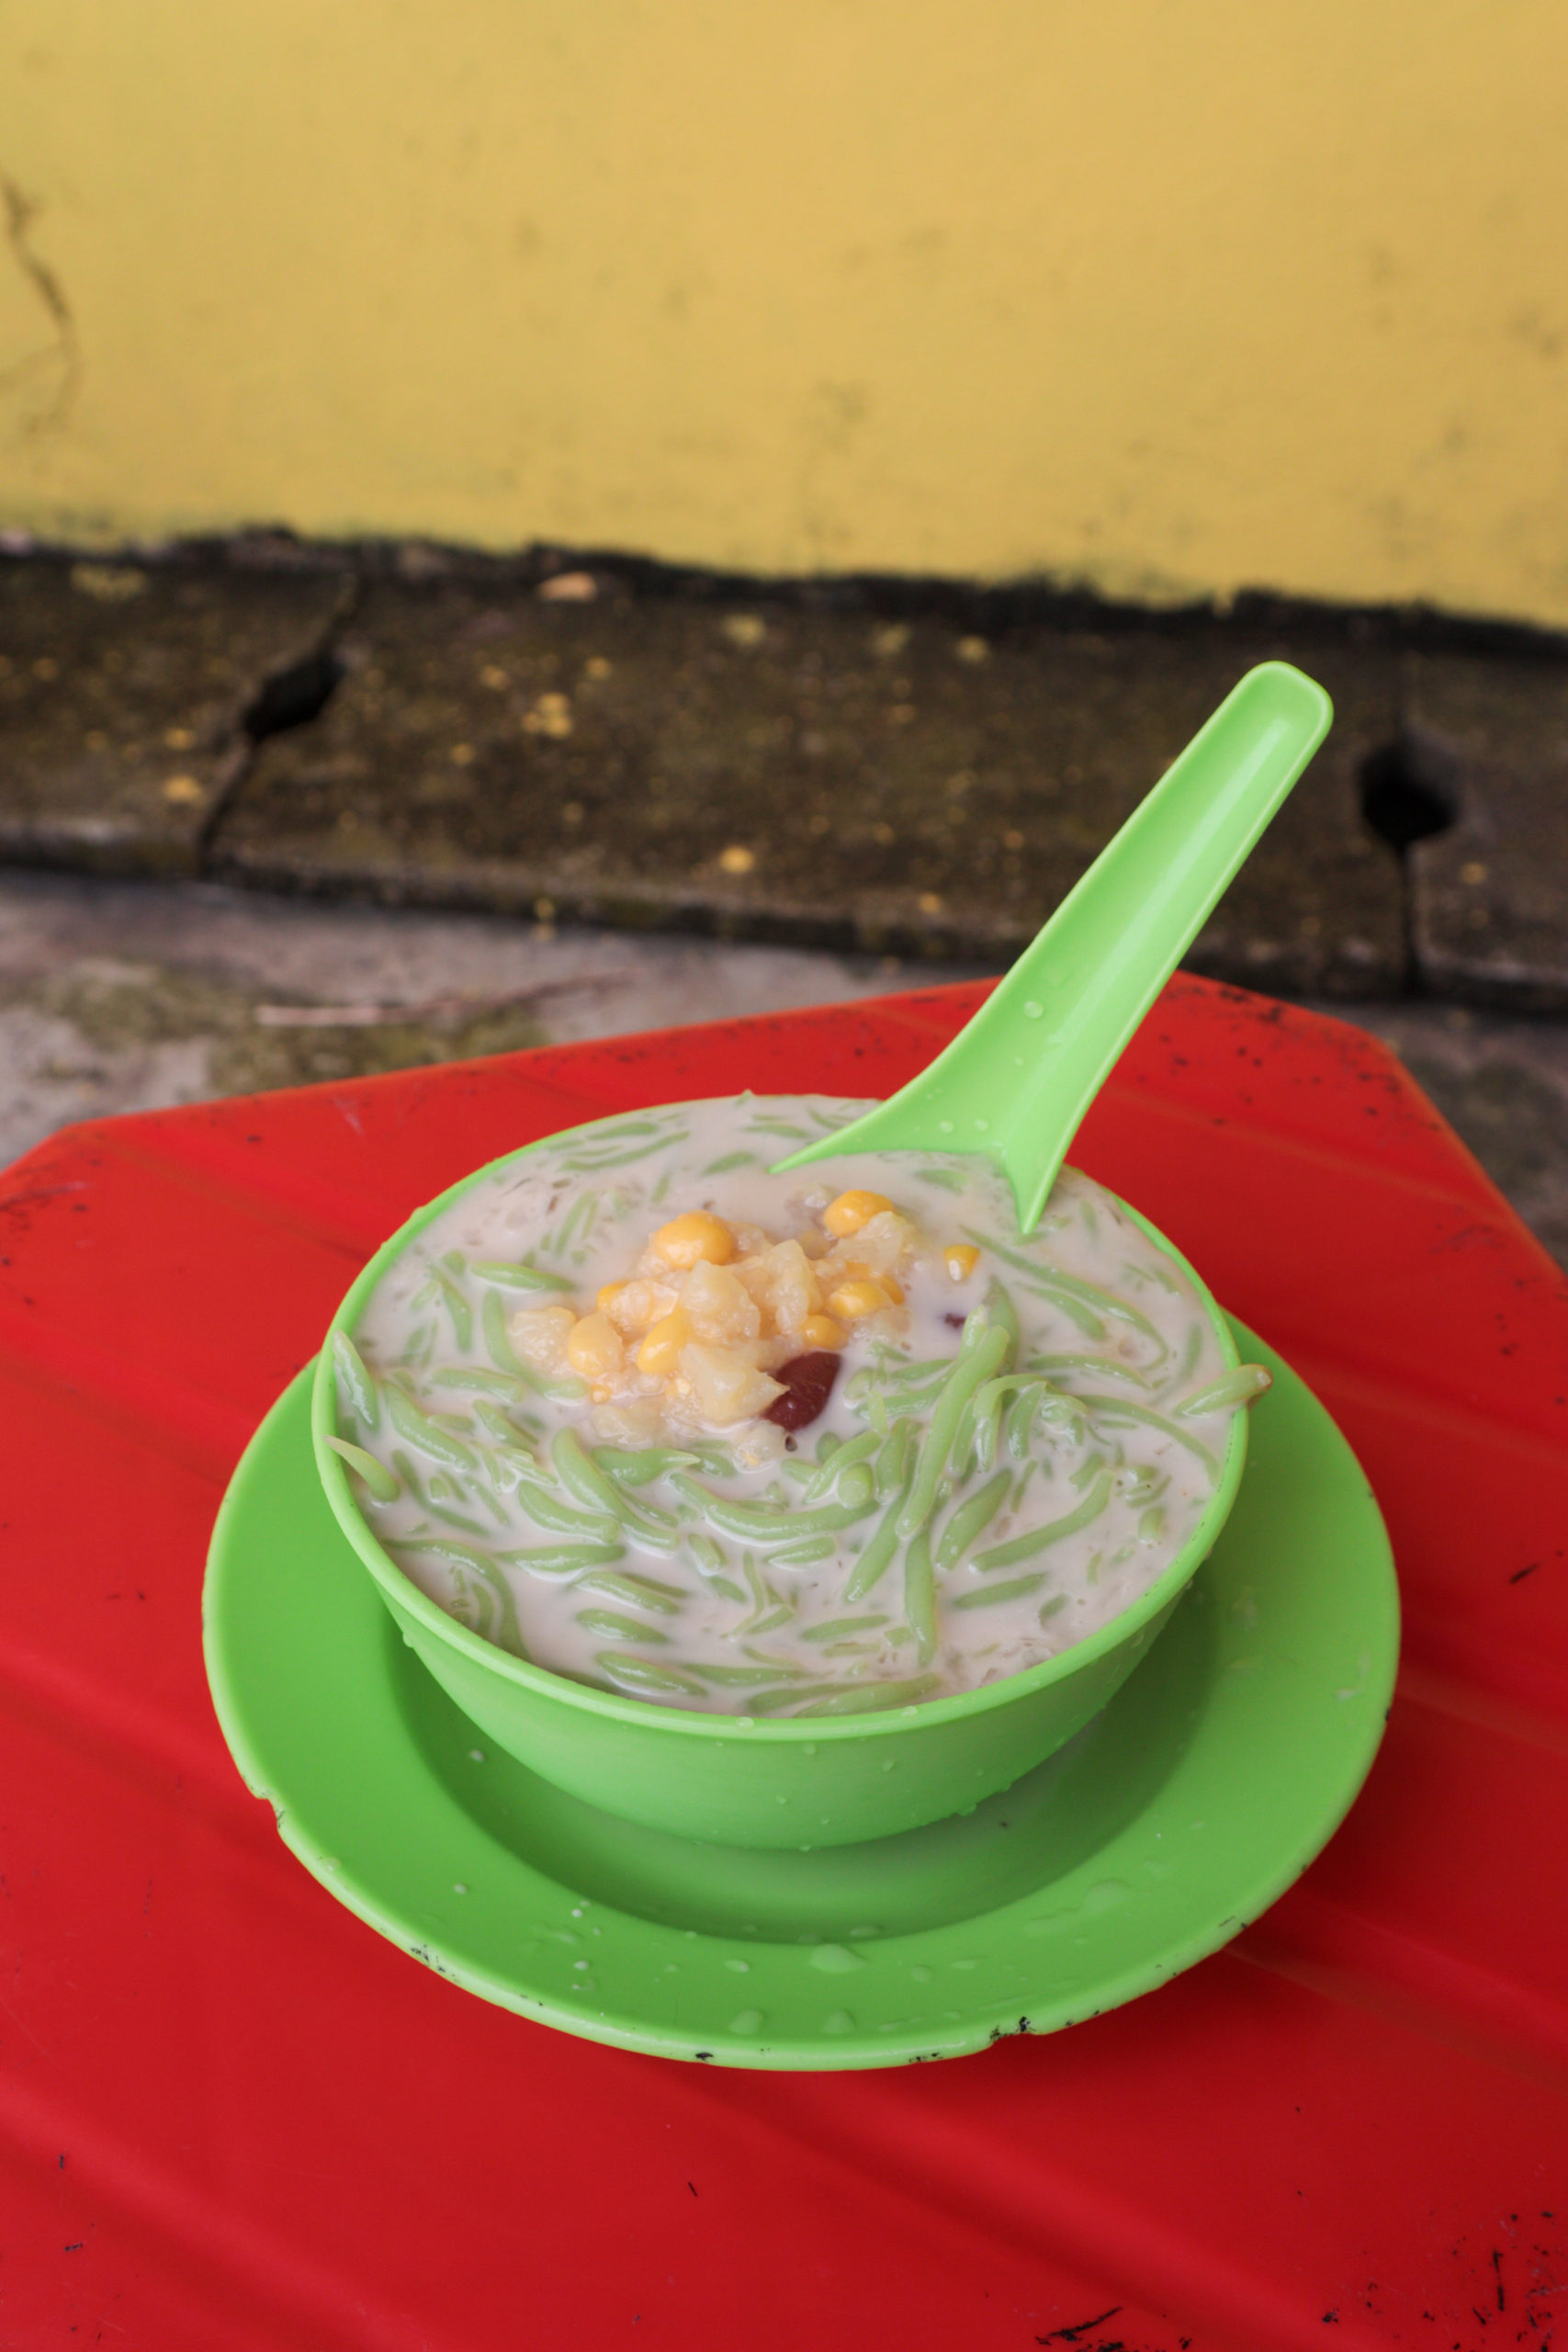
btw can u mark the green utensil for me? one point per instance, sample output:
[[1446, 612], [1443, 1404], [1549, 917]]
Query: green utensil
[[1018, 1080]]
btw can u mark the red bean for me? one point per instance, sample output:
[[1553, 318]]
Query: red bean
[[807, 1385]]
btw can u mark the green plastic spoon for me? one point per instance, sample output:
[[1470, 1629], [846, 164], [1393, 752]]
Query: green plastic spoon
[[1017, 1081]]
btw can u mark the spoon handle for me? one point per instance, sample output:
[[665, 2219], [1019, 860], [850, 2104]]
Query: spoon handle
[[1019, 1079]]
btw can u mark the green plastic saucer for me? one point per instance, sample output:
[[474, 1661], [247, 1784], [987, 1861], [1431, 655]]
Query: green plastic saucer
[[1206, 1786]]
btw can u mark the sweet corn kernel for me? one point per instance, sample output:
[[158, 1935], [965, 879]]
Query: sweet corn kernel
[[821, 1331], [960, 1257], [853, 1300], [697, 1235], [661, 1352], [855, 1269], [893, 1288], [607, 1295], [594, 1348], [851, 1211]]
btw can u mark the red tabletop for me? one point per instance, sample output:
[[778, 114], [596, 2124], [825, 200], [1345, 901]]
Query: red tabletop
[[232, 2115]]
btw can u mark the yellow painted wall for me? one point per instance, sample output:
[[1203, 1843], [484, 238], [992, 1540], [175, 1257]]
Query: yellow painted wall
[[1165, 295]]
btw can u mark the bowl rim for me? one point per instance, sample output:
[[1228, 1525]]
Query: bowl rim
[[671, 1722]]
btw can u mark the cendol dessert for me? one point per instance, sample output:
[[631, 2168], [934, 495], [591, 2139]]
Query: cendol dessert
[[803, 1444]]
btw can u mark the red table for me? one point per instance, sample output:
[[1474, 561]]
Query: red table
[[235, 2116]]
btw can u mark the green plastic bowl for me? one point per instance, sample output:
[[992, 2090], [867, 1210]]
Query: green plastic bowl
[[736, 1779]]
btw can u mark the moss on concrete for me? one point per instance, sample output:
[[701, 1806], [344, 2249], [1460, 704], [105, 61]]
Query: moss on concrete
[[118, 1010]]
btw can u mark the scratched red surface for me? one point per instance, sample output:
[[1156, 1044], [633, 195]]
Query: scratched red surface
[[232, 2116]]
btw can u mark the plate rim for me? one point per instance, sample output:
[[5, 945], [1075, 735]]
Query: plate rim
[[956, 2033]]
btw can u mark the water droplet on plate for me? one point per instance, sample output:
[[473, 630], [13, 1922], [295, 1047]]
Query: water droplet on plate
[[458, 1887], [839, 2021], [748, 2021], [1032, 1012], [741, 1967], [835, 1960]]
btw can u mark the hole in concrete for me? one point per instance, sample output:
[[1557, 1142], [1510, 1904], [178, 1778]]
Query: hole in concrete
[[1400, 803], [295, 695]]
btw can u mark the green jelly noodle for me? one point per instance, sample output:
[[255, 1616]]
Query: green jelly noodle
[[1020, 1436]]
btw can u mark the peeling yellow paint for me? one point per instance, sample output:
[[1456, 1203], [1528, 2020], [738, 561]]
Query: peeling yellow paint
[[1165, 299]]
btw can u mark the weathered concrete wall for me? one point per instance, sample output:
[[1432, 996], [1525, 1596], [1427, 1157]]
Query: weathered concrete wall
[[1167, 300]]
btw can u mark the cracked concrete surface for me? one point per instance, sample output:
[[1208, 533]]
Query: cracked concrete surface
[[124, 996], [842, 770], [125, 693], [779, 770]]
